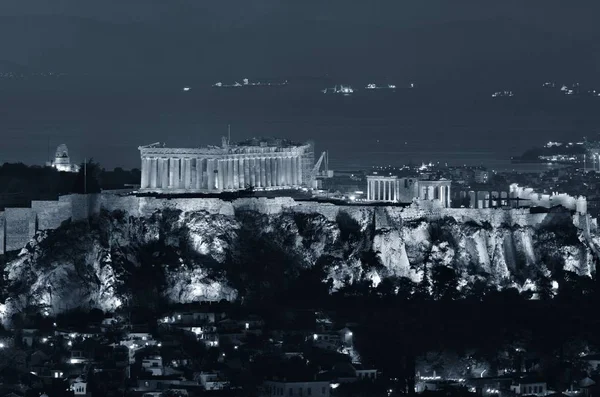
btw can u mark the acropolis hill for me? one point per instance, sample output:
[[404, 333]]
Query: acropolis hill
[[207, 238]]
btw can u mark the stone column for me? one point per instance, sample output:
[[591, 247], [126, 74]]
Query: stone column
[[193, 173], [187, 173], [247, 178], [172, 173], [293, 171], [199, 162], [280, 168], [368, 190], [159, 172], [300, 172], [448, 197], [144, 181], [241, 176], [220, 174], [289, 171], [251, 174], [183, 173], [166, 166], [236, 173], [210, 174], [375, 186], [258, 169], [268, 172], [153, 171]]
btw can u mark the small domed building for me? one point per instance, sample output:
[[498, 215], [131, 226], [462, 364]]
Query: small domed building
[[62, 161]]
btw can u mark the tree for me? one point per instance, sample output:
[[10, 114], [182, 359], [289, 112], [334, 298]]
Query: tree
[[88, 178]]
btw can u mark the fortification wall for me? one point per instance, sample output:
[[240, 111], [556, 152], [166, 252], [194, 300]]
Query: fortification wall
[[51, 214], [82, 205], [20, 227], [2, 234]]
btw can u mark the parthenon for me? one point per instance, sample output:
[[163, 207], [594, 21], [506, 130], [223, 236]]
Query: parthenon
[[265, 164]]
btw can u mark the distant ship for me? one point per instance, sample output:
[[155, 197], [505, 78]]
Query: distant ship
[[247, 83], [342, 89], [376, 87], [502, 94]]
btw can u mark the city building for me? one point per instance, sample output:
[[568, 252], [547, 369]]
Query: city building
[[296, 389], [404, 190], [481, 176], [263, 164], [62, 161]]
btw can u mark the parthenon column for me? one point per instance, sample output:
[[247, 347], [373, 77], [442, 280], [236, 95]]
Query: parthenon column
[[247, 165], [236, 172], [293, 170], [210, 173], [261, 172], [187, 173], [300, 172], [251, 175], [229, 173], [220, 174], [159, 172], [199, 167], [163, 166], [273, 161], [256, 171], [280, 180], [241, 176], [268, 172], [172, 173], [288, 174], [182, 173]]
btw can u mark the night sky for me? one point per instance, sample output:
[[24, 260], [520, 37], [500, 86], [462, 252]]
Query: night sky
[[131, 53]]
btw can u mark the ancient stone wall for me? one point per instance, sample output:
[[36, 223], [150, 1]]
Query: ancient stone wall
[[20, 227], [51, 214], [2, 233]]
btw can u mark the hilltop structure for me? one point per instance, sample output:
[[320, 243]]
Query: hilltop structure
[[263, 164], [62, 161]]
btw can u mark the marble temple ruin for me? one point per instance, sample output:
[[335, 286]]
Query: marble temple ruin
[[263, 164]]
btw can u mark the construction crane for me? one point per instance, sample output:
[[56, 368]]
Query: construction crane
[[315, 171]]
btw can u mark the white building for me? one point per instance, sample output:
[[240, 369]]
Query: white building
[[404, 190], [212, 381], [79, 387], [153, 365], [62, 161], [265, 164]]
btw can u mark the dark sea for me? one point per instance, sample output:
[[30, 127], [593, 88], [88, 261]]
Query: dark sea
[[108, 118]]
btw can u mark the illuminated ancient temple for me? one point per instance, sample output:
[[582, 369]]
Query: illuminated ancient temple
[[263, 164]]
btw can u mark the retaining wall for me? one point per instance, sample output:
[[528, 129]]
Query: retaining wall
[[19, 225]]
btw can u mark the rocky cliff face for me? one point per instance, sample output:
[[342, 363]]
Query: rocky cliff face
[[179, 255]]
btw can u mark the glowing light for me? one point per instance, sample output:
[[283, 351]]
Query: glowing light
[[335, 385], [1, 345], [186, 88]]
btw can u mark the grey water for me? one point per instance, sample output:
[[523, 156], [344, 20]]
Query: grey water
[[108, 118]]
